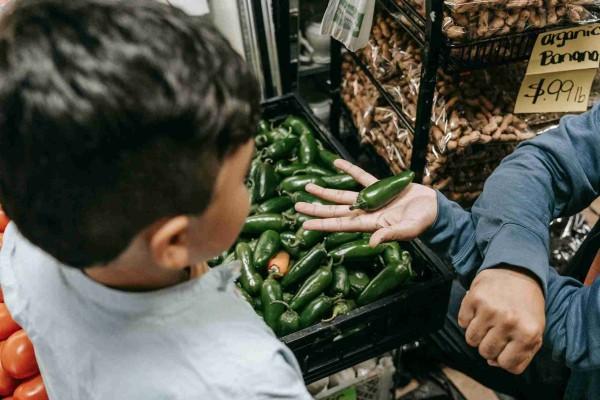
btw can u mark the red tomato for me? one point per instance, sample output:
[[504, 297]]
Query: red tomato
[[3, 221], [33, 389], [18, 357], [7, 383], [8, 326]]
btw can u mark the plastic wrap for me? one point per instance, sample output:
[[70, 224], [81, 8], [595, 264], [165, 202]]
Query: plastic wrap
[[469, 20]]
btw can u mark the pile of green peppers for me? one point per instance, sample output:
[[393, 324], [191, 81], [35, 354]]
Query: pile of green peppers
[[329, 274]]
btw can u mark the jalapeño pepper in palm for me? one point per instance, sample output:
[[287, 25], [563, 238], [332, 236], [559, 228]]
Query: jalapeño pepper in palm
[[312, 287], [256, 224], [297, 125], [267, 246], [280, 148], [386, 281], [274, 205], [340, 181], [316, 310], [271, 297], [308, 152], [355, 250], [289, 322], [358, 282], [251, 280], [340, 283], [265, 183], [305, 266], [337, 239], [382, 192], [295, 183]]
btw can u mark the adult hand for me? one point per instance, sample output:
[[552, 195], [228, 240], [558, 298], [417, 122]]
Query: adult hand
[[406, 217], [504, 317]]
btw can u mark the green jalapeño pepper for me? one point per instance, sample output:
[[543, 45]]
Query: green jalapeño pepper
[[308, 150], [265, 183], [267, 246], [312, 169], [327, 158], [261, 141], [342, 307], [274, 205], [295, 219], [297, 125], [382, 192], [340, 181], [334, 240], [271, 296], [289, 322], [305, 266], [305, 197], [385, 282], [256, 224], [286, 169], [287, 297], [295, 183], [290, 243], [355, 250], [278, 134], [251, 280], [358, 282], [280, 149], [263, 127], [247, 297], [312, 287], [308, 238], [340, 283], [315, 311], [392, 253], [251, 177]]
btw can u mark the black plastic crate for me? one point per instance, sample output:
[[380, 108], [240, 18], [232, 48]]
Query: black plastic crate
[[413, 312]]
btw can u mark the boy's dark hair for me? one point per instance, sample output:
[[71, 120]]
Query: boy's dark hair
[[113, 115]]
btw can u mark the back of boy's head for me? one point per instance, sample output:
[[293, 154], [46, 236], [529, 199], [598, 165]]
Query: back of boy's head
[[113, 115]]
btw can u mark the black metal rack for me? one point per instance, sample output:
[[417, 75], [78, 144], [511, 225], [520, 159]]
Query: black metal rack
[[438, 51]]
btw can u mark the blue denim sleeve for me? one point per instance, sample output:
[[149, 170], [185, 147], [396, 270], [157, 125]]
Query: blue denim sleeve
[[452, 236], [573, 322], [557, 173]]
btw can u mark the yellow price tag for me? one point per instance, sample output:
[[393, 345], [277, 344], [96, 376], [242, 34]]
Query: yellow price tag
[[555, 92]]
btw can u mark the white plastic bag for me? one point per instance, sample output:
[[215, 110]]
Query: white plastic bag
[[349, 21]]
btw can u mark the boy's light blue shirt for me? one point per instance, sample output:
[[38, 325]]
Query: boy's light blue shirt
[[196, 340]]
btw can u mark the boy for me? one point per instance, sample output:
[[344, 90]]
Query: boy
[[125, 135]]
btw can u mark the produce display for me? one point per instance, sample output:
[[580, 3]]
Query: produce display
[[467, 20], [295, 278], [473, 124]]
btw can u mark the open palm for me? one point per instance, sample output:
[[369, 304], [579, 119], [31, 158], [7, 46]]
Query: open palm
[[406, 217]]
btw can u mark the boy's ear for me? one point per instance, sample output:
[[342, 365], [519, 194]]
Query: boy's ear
[[169, 243]]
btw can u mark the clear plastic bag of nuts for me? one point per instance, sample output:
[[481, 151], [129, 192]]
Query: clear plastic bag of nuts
[[468, 19]]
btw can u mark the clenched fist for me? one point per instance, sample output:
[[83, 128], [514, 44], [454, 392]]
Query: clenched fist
[[504, 316]]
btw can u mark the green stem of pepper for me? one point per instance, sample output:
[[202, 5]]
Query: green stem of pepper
[[341, 307], [382, 192]]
